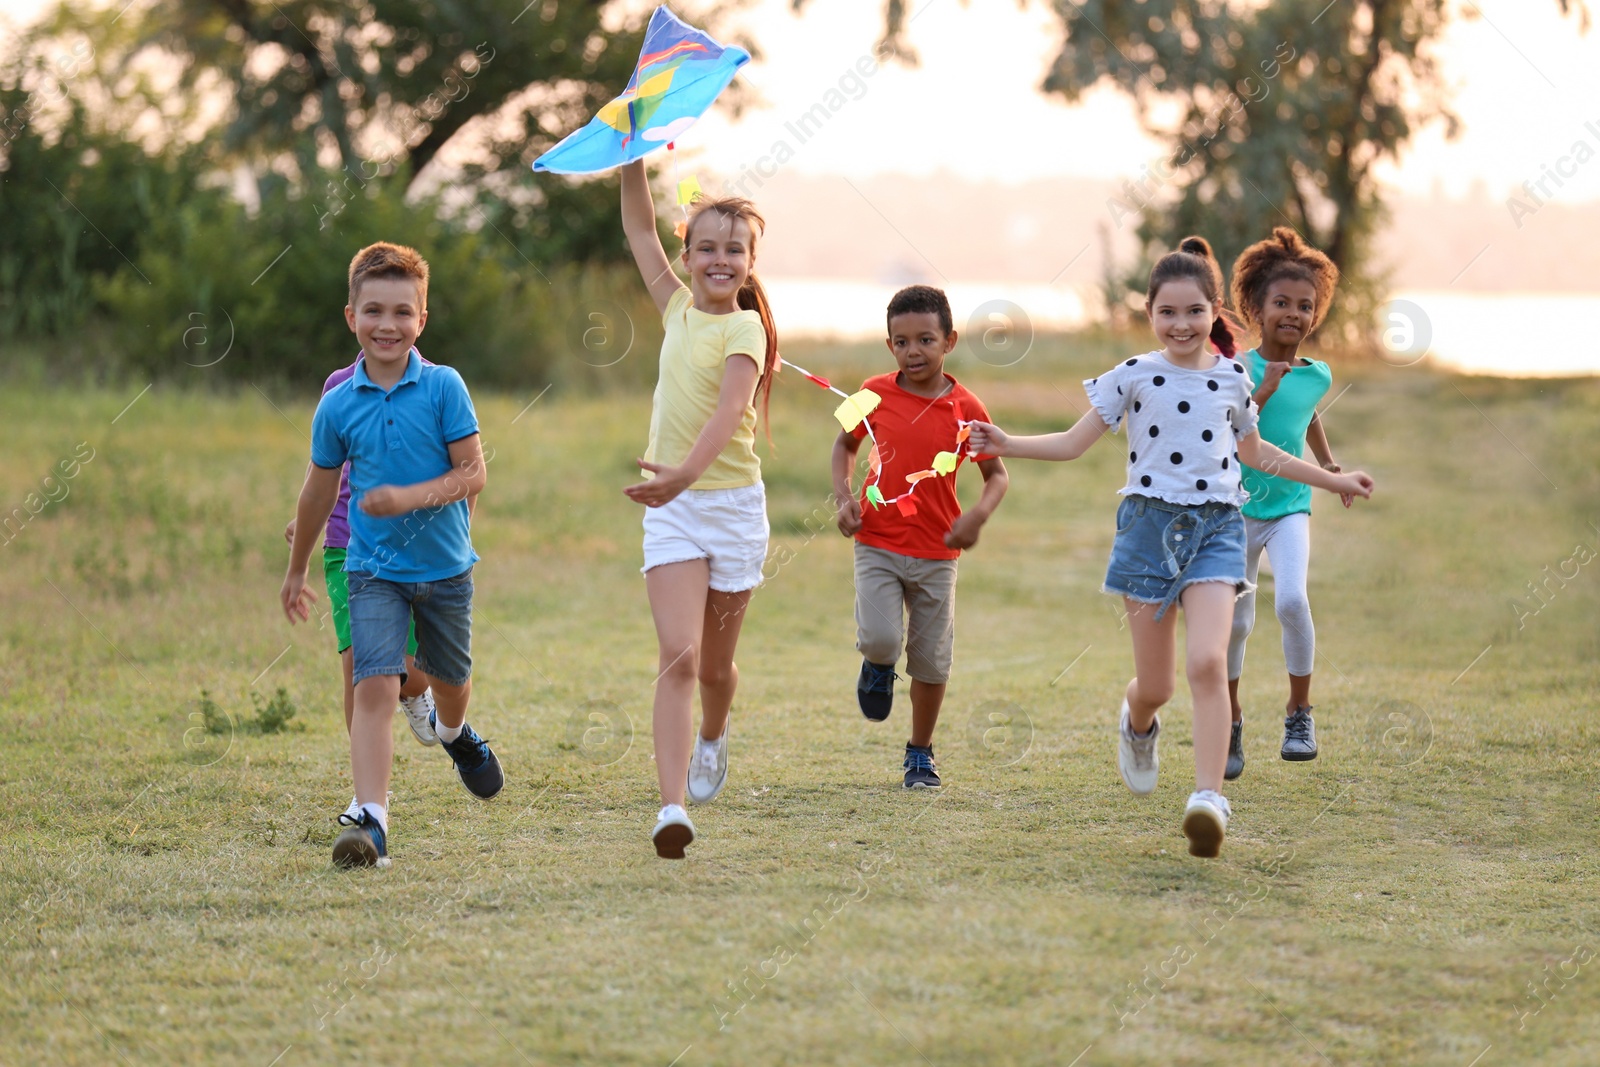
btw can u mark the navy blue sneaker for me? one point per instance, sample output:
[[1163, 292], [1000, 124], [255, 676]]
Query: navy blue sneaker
[[875, 690], [920, 771], [362, 842], [475, 761]]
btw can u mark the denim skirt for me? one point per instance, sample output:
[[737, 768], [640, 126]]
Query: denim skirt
[[1161, 549]]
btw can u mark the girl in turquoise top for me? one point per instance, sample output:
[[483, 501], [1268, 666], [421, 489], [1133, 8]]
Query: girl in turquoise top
[[1283, 289]]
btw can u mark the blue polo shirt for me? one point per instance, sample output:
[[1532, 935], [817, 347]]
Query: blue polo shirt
[[399, 437]]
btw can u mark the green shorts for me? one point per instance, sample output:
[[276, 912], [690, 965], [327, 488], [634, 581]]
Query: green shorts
[[339, 600]]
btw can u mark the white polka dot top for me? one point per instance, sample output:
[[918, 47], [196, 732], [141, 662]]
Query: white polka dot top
[[1183, 426]]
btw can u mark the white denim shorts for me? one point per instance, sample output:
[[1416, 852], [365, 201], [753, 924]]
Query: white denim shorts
[[726, 527]]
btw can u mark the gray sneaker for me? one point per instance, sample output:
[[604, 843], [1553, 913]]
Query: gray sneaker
[[1299, 735], [1235, 753], [708, 769], [417, 710], [1137, 759]]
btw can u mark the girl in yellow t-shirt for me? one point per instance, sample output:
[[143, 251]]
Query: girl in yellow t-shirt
[[705, 527]]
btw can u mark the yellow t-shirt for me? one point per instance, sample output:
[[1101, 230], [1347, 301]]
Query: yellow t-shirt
[[694, 355]]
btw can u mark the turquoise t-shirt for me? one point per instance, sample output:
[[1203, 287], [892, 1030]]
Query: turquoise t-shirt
[[1284, 420]]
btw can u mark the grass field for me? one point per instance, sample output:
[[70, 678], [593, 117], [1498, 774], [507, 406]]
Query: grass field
[[1421, 894]]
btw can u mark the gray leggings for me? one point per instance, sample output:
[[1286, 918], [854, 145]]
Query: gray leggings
[[1287, 542]]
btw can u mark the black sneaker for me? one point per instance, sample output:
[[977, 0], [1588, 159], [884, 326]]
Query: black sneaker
[[920, 771], [875, 690], [475, 761], [1299, 735], [1235, 753], [362, 842]]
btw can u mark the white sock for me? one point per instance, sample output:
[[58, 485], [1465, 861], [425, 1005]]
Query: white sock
[[354, 809], [448, 734], [378, 813]]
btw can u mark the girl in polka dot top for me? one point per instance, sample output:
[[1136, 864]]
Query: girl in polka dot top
[[1180, 537]]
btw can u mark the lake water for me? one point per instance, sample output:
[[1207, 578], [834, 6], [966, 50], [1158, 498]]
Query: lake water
[[1514, 335]]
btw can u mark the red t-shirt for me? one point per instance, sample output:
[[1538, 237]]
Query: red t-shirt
[[911, 430]]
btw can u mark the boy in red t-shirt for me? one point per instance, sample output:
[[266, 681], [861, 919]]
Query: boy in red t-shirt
[[906, 558]]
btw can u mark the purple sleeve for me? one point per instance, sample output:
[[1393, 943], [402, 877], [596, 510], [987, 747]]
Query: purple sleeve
[[338, 535]]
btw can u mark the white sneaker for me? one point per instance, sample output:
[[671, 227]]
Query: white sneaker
[[1205, 821], [1137, 759], [673, 832], [418, 709], [708, 769]]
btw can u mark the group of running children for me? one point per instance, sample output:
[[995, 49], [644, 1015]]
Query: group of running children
[[1213, 481]]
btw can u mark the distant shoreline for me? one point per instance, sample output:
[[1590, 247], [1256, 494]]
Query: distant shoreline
[[1504, 334]]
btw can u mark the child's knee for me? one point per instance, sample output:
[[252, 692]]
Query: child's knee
[[1240, 633], [1156, 691], [878, 646], [1207, 668], [1292, 608], [681, 666], [718, 675]]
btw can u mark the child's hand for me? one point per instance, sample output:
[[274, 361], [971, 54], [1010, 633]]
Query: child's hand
[[296, 598], [964, 531], [1273, 375], [849, 516], [1356, 484], [986, 439], [667, 484], [288, 531], [1333, 468], [386, 501]]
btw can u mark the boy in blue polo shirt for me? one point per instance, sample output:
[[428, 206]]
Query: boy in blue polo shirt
[[410, 555]]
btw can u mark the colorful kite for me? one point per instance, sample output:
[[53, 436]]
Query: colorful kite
[[681, 71], [855, 411]]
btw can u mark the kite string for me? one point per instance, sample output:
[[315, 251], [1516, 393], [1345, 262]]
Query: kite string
[[961, 450], [823, 382]]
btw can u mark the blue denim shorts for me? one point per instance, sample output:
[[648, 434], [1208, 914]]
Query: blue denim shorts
[[1161, 549], [381, 612]]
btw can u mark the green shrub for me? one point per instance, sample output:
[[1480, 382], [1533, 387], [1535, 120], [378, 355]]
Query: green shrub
[[272, 716]]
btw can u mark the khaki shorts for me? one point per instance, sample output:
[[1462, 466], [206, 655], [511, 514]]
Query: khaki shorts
[[889, 588]]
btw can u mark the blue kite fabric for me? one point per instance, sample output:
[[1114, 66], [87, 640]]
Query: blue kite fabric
[[681, 71]]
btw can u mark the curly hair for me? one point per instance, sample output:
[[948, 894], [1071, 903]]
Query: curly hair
[[384, 260], [1195, 261], [1283, 255], [922, 299]]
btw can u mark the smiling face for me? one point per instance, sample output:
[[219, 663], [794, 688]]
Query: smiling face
[[387, 318], [1287, 314], [719, 256], [1182, 317], [919, 344]]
